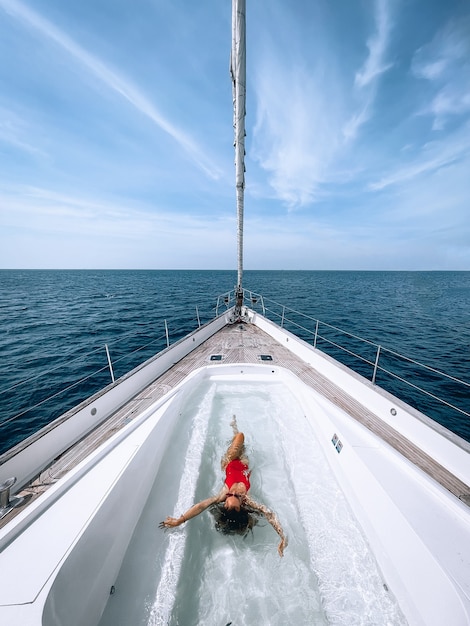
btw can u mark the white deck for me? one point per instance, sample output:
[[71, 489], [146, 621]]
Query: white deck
[[394, 487]]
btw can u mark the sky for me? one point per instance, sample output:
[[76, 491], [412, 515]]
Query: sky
[[116, 137]]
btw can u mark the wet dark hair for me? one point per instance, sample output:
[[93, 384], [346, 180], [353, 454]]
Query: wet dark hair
[[233, 522]]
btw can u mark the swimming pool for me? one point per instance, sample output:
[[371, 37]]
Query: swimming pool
[[194, 575], [356, 512]]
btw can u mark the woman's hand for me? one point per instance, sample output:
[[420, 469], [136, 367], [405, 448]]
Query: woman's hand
[[281, 546], [171, 522]]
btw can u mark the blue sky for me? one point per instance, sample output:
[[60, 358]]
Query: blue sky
[[116, 134]]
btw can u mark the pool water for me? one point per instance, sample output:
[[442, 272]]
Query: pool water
[[196, 575]]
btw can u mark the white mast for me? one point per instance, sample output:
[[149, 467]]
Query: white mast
[[238, 73]]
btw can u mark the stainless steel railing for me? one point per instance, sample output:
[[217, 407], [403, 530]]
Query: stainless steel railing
[[161, 342], [321, 335], [317, 334]]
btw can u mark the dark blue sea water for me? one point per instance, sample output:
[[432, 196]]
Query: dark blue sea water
[[59, 322]]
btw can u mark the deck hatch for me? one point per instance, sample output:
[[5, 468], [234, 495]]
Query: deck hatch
[[265, 357], [216, 357]]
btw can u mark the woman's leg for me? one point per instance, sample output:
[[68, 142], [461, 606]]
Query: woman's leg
[[234, 425], [236, 449]]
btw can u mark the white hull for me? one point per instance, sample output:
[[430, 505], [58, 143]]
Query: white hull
[[62, 554]]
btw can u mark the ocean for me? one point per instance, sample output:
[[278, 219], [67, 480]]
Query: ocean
[[55, 325]]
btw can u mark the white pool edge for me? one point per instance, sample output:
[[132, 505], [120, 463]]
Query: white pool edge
[[420, 582]]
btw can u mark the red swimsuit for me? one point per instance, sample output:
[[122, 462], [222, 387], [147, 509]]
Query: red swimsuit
[[237, 472]]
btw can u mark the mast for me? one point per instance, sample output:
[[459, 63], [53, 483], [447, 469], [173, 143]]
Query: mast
[[238, 73]]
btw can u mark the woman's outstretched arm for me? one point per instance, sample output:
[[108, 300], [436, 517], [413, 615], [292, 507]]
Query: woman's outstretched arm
[[272, 519], [196, 509]]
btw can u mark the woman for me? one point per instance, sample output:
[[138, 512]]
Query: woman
[[235, 511]]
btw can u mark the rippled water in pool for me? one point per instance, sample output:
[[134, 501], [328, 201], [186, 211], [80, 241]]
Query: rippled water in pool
[[198, 576]]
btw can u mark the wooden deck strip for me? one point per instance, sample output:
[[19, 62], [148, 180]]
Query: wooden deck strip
[[243, 344], [383, 430]]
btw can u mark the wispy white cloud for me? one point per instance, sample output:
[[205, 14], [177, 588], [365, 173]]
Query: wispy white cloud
[[374, 66], [102, 186], [434, 156], [295, 137], [307, 114], [351, 127], [112, 80], [429, 70], [299, 106], [54, 229], [45, 209], [445, 64], [15, 132]]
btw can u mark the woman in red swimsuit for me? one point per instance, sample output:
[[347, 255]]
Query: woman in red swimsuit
[[235, 511]]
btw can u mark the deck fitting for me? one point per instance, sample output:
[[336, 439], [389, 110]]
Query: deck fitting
[[7, 503]]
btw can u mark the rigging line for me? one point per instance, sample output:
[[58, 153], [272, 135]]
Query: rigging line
[[85, 355], [35, 406], [345, 332], [350, 352], [428, 367], [60, 365], [428, 393]]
